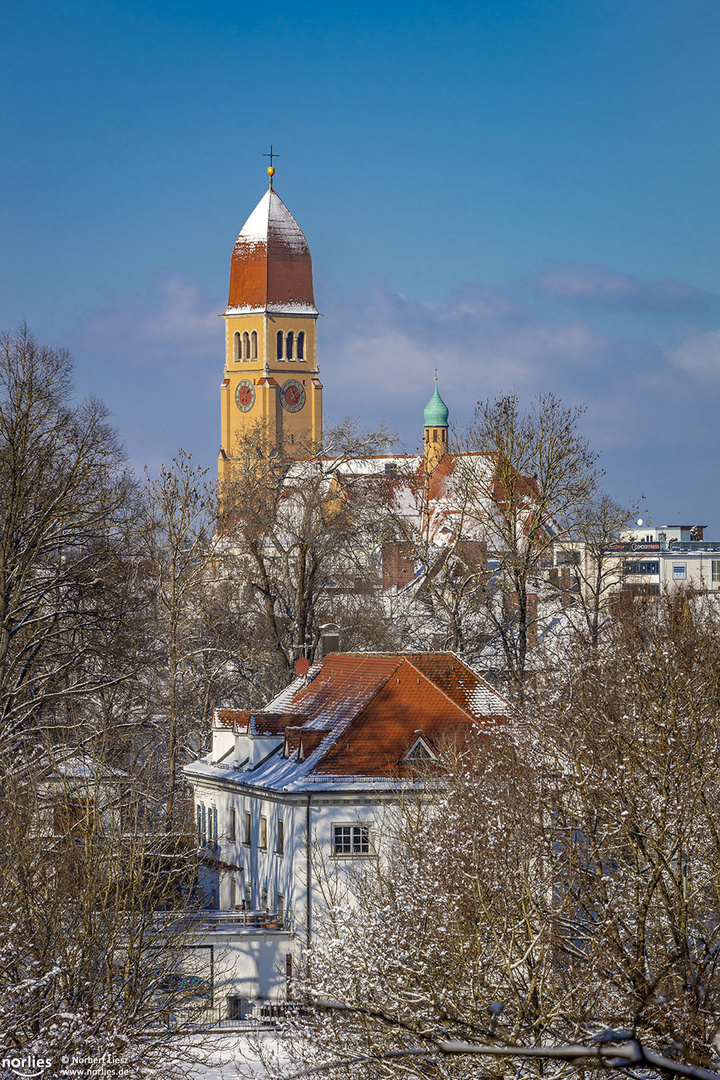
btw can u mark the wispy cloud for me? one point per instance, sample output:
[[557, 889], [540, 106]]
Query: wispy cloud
[[172, 321], [652, 397], [699, 355], [156, 358], [600, 286]]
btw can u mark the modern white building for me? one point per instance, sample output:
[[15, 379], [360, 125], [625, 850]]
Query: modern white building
[[292, 795]]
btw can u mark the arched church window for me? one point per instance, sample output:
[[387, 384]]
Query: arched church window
[[253, 345], [301, 345], [236, 345], [280, 343], [246, 346], [290, 341]]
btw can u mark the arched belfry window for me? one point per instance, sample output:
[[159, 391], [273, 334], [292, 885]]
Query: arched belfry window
[[246, 346], [253, 345], [236, 345], [280, 343], [301, 345], [290, 341]]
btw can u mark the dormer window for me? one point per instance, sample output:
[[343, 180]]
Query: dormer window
[[419, 754]]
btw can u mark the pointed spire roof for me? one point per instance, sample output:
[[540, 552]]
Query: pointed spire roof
[[436, 411], [271, 267]]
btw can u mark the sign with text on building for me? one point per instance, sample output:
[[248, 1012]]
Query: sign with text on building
[[618, 549]]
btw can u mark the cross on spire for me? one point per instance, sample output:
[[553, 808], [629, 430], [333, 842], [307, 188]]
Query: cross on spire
[[271, 167]]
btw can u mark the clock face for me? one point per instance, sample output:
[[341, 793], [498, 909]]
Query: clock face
[[245, 396], [292, 395]]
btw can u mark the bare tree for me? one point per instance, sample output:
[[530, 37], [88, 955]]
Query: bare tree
[[201, 651], [434, 560], [596, 570], [633, 731], [529, 474], [97, 918], [301, 540], [552, 889], [65, 496]]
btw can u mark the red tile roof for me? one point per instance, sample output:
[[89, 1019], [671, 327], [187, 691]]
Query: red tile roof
[[360, 713]]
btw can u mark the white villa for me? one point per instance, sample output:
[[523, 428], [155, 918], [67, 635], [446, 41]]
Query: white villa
[[298, 789]]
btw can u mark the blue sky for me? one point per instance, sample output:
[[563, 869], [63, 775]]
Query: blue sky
[[523, 194]]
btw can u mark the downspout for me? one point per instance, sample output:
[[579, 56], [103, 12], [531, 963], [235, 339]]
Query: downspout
[[308, 873]]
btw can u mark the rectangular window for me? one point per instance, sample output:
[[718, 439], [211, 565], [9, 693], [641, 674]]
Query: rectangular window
[[264, 899], [280, 905], [263, 832], [231, 825], [247, 839], [203, 839], [248, 896], [214, 824], [280, 837], [199, 824], [716, 571], [351, 840], [233, 893]]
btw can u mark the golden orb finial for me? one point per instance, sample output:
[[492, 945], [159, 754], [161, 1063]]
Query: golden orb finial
[[271, 173]]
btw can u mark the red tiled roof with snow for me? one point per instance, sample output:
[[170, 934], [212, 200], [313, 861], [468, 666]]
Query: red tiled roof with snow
[[271, 267], [360, 713], [256, 722]]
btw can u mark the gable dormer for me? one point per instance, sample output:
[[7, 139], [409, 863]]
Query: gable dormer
[[421, 753]]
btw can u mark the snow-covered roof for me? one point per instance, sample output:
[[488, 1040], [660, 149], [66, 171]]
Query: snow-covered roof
[[353, 719], [271, 267]]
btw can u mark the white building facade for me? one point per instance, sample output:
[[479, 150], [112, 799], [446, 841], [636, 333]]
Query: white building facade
[[293, 795]]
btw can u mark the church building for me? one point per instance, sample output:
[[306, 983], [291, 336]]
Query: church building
[[271, 392]]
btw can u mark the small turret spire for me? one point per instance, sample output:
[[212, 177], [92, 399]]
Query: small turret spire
[[436, 430]]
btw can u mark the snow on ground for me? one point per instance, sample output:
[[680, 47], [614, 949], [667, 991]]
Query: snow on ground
[[227, 1057]]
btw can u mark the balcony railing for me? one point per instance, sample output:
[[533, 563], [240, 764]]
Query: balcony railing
[[205, 919], [229, 1014], [248, 920]]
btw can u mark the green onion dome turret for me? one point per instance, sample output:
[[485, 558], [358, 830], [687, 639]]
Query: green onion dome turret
[[436, 411]]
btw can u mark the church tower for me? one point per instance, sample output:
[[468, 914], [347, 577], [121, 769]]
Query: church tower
[[271, 393], [436, 431]]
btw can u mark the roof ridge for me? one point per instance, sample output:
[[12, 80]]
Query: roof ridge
[[447, 696], [467, 668], [267, 253]]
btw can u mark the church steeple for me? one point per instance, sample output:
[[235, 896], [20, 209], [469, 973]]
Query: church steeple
[[436, 430], [271, 382]]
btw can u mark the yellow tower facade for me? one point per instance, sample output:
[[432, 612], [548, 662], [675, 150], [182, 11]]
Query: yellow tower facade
[[271, 394]]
